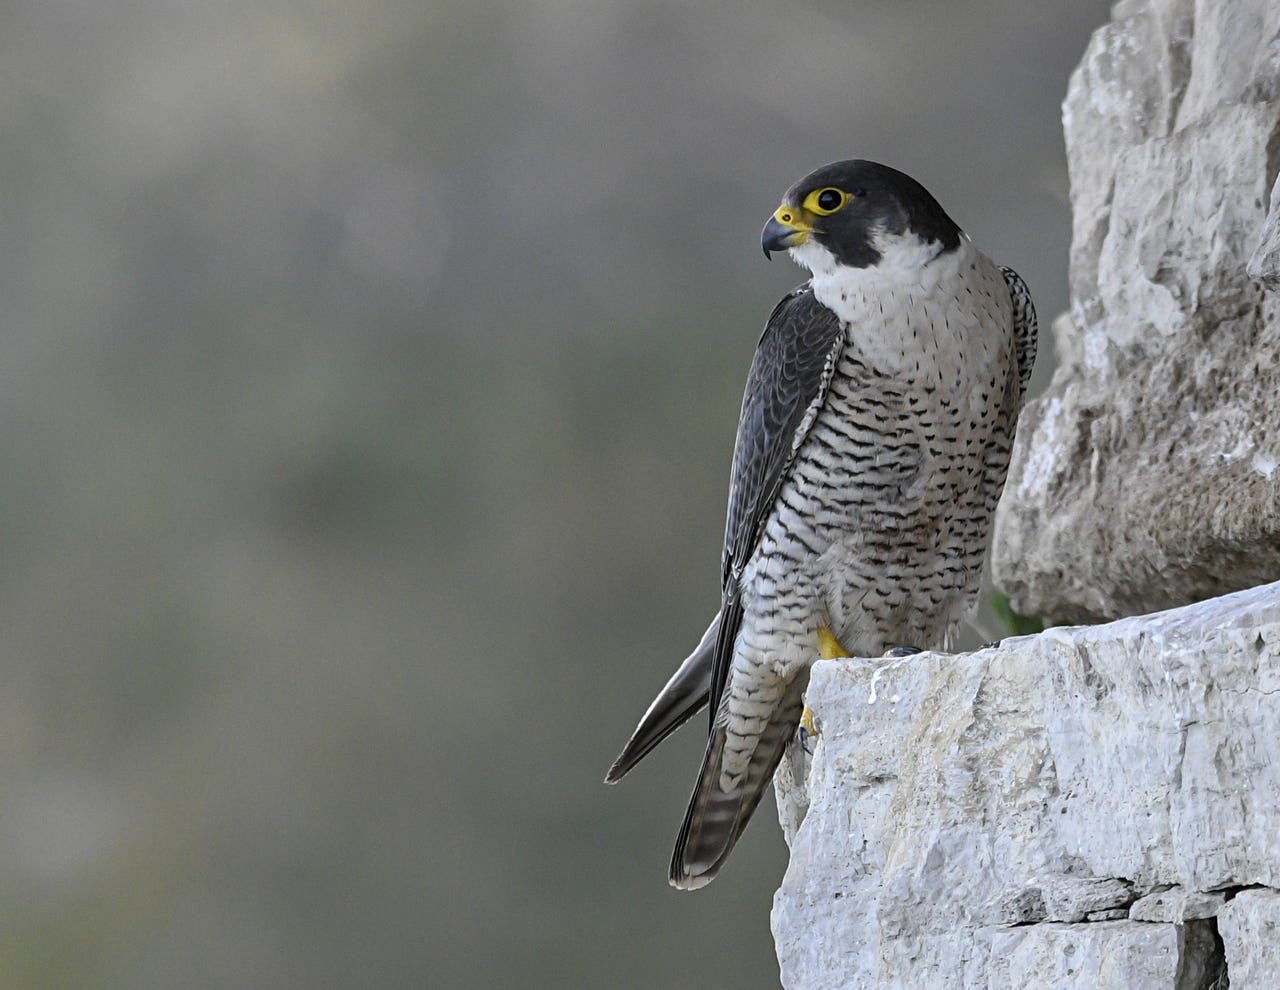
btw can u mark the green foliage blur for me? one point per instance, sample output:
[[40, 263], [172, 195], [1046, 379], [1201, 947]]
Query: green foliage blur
[[1013, 623], [370, 373]]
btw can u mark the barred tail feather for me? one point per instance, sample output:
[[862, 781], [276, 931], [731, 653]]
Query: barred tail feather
[[716, 818]]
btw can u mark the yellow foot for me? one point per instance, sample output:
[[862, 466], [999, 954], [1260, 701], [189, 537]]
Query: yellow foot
[[829, 647], [807, 731]]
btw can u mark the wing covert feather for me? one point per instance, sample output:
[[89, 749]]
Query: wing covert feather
[[786, 388], [1025, 328]]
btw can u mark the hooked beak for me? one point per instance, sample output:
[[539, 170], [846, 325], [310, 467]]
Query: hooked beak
[[785, 229]]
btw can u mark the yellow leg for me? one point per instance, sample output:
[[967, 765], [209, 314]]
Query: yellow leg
[[829, 648]]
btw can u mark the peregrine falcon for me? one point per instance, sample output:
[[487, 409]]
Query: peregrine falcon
[[872, 448]]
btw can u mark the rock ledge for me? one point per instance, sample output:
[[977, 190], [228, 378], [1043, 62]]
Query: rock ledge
[[1004, 818]]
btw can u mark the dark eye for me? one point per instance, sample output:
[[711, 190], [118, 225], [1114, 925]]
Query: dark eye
[[829, 199]]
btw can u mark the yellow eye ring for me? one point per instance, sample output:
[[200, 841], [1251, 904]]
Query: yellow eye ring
[[826, 201]]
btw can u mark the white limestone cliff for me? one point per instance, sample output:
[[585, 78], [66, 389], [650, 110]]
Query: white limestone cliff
[[1090, 807], [1147, 477]]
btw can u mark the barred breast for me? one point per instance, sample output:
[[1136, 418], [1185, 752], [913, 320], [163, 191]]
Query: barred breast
[[880, 530]]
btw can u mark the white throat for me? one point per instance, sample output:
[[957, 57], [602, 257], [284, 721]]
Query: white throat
[[906, 262]]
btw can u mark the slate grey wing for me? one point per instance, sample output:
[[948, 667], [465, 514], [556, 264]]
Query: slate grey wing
[[1025, 340], [786, 389], [790, 374], [1026, 329], [793, 363]]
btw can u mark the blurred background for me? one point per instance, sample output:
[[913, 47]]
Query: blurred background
[[369, 381]]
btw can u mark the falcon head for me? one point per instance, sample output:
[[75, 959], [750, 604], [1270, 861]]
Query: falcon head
[[855, 213]]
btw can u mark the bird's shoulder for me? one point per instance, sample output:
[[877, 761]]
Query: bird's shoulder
[[793, 358], [801, 329]]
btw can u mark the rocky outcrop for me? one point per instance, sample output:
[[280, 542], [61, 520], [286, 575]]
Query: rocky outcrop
[[1264, 263], [1089, 807], [1147, 476]]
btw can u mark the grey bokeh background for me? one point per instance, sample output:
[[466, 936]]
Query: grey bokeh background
[[369, 378]]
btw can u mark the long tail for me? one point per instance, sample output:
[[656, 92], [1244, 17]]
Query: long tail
[[717, 817], [683, 697]]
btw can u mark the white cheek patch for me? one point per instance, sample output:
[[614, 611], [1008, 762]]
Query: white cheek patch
[[813, 256], [907, 265], [898, 254], [906, 253]]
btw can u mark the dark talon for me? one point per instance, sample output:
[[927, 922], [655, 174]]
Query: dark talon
[[903, 651], [992, 645]]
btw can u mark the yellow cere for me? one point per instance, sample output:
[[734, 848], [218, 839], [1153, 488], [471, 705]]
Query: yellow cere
[[792, 218]]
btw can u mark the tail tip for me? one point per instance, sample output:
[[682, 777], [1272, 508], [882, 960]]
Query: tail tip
[[691, 873], [618, 770], [684, 881]]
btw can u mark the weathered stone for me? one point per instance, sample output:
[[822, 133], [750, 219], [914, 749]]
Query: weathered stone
[[1109, 914], [1107, 955], [1177, 905], [943, 788], [1146, 477], [1264, 263], [1019, 907], [1250, 929], [1072, 898]]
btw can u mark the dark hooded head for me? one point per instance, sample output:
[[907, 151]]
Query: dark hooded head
[[851, 208]]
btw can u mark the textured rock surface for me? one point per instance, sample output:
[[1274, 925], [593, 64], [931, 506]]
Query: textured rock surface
[[1250, 927], [1147, 476], [949, 797], [1177, 905], [1109, 955], [1074, 898], [1264, 263]]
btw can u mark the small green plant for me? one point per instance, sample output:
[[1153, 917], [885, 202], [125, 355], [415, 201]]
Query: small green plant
[[1014, 623]]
